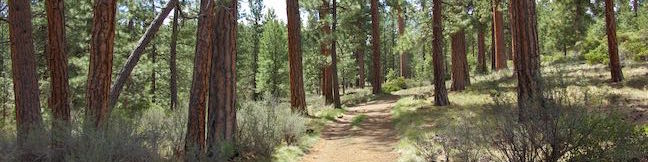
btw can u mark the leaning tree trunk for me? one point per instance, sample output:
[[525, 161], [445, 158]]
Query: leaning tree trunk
[[297, 94], [195, 137], [375, 41], [57, 65], [500, 50], [440, 92], [135, 55], [25, 80], [527, 55], [173, 83], [613, 50], [336, 85], [327, 82], [460, 76], [481, 51], [404, 57], [101, 55], [222, 86]]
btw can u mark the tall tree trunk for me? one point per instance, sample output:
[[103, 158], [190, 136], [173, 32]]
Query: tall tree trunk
[[154, 58], [375, 41], [492, 53], [336, 85], [327, 78], [297, 94], [440, 92], [101, 60], [222, 87], [25, 80], [481, 51], [525, 39], [173, 83], [613, 50], [57, 65], [361, 68], [195, 138], [404, 57], [500, 50], [460, 77], [136, 54]]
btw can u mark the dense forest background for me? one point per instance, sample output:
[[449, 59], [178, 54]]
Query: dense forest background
[[149, 118]]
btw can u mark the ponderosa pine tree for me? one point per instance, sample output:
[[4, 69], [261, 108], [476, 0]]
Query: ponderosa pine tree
[[195, 137], [25, 80], [481, 50], [613, 50], [460, 76], [336, 85], [327, 69], [256, 7], [173, 70], [404, 56], [101, 60], [297, 94], [440, 92], [498, 27], [58, 101], [273, 59], [527, 64], [222, 84], [375, 42]]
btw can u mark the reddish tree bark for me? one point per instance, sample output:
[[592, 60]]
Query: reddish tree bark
[[195, 138], [327, 78], [440, 91], [460, 76], [500, 50], [57, 65], [361, 66], [613, 50], [173, 83], [525, 37], [481, 51], [336, 85], [25, 81], [101, 56], [136, 54], [375, 41], [297, 94], [222, 86], [404, 57]]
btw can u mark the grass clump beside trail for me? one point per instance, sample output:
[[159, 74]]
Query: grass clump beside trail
[[582, 112], [356, 120]]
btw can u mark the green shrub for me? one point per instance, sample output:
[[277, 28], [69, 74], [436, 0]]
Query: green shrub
[[356, 120], [599, 55], [394, 85]]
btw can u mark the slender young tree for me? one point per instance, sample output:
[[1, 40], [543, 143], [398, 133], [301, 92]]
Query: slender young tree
[[404, 56], [195, 138], [500, 50], [173, 83], [222, 86], [460, 76], [613, 50], [336, 86], [440, 91], [527, 64], [101, 60], [57, 65], [136, 54], [25, 80], [375, 41], [154, 58], [256, 7], [297, 94]]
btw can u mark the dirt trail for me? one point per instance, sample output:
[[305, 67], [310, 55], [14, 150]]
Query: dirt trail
[[374, 139]]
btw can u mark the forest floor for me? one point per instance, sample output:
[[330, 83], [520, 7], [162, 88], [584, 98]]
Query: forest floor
[[364, 132]]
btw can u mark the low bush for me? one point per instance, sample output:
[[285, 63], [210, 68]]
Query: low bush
[[394, 85]]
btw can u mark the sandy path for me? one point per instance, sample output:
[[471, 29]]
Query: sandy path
[[372, 140]]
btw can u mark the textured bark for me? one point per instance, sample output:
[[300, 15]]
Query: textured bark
[[297, 94], [440, 91], [375, 42], [613, 50], [525, 37], [25, 80], [101, 57], [195, 138], [327, 78], [57, 65], [222, 86], [173, 83], [136, 54], [404, 57], [460, 76], [481, 51], [500, 50], [336, 85], [360, 55]]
